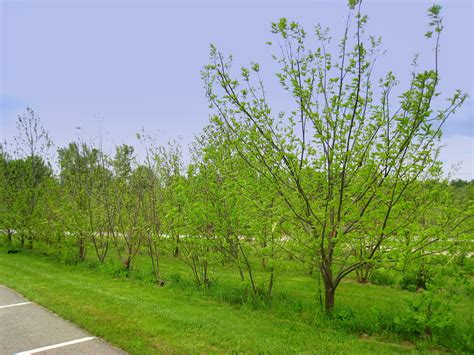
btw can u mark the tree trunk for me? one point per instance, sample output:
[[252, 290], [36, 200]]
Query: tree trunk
[[329, 298], [176, 248], [264, 259], [233, 247], [241, 273], [329, 287], [363, 273], [270, 284], [9, 236], [82, 250]]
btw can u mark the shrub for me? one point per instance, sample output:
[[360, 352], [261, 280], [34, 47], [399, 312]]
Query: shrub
[[414, 280], [382, 278], [431, 312]]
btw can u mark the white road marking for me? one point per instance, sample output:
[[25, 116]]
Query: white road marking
[[55, 346], [14, 305]]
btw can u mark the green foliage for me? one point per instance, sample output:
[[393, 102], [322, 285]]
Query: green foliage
[[346, 159], [276, 210], [382, 278], [432, 313]]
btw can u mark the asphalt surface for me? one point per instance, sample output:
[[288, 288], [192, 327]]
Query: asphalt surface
[[26, 327]]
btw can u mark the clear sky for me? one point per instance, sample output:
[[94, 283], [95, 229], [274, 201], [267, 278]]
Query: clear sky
[[136, 64]]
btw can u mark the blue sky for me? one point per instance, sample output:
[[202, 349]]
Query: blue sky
[[136, 64]]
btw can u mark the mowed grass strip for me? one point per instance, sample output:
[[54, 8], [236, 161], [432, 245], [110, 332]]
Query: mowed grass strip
[[143, 319]]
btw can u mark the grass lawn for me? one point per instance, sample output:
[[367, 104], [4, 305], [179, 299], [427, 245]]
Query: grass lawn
[[142, 318]]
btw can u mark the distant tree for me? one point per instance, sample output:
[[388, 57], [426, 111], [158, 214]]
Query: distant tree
[[7, 196], [32, 145], [123, 205], [158, 192], [81, 175], [461, 183], [461, 206], [24, 192], [243, 212]]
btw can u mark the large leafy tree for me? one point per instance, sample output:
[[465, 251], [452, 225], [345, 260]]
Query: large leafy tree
[[347, 152]]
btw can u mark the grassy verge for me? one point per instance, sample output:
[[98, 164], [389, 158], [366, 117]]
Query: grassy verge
[[142, 318]]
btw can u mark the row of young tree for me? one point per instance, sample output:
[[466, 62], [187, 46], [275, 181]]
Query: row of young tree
[[218, 211], [347, 182]]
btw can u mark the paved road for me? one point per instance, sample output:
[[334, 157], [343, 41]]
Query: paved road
[[26, 328]]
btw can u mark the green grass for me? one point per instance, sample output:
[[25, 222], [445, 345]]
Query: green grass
[[141, 318]]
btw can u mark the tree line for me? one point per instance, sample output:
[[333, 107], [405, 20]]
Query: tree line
[[345, 183]]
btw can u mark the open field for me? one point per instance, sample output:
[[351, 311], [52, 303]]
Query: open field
[[139, 317]]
